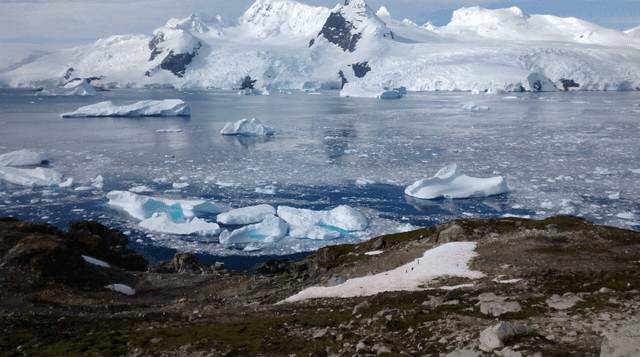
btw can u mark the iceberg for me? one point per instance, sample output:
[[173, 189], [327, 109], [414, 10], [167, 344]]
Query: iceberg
[[262, 91], [332, 224], [24, 157], [31, 177], [247, 127], [371, 91], [164, 223], [247, 215], [143, 207], [145, 108], [79, 87], [540, 83], [271, 230], [450, 183]]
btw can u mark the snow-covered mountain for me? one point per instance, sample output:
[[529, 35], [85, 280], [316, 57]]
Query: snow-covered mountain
[[287, 44]]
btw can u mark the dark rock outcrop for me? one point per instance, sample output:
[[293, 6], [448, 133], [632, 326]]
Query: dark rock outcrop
[[273, 266], [360, 69], [568, 83], [343, 79], [337, 30], [177, 63], [247, 83], [185, 262]]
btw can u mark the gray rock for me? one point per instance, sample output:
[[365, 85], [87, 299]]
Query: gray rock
[[563, 302], [362, 347], [454, 233], [623, 342], [464, 353], [321, 334], [493, 337], [379, 349], [490, 304], [362, 305]]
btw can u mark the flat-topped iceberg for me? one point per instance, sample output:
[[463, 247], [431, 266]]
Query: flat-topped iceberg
[[31, 177], [24, 157], [247, 127], [271, 230], [79, 87], [143, 207], [247, 215], [332, 224], [369, 91], [450, 183], [145, 108], [164, 223]]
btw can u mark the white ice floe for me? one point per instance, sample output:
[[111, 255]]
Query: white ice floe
[[247, 127], [164, 223], [247, 215], [67, 183], [473, 107], [78, 87], [449, 259], [271, 230], [360, 182], [322, 224], [23, 158], [98, 182], [121, 288], [626, 215], [96, 261], [143, 207], [140, 189], [370, 91], [179, 185], [262, 91], [172, 130], [450, 183], [31, 177], [167, 107], [540, 83]]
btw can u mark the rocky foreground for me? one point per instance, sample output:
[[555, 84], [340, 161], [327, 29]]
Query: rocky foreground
[[562, 286]]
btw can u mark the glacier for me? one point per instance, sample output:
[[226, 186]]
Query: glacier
[[280, 44]]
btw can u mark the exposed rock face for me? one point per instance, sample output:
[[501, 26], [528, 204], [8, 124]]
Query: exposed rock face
[[490, 304], [247, 83], [337, 30], [360, 69], [343, 79], [273, 266], [622, 342], [181, 48], [177, 63], [568, 83], [454, 233]]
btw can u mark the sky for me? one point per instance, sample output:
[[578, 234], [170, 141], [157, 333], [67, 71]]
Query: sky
[[51, 24]]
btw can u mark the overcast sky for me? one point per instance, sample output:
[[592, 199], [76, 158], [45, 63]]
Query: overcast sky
[[50, 24]]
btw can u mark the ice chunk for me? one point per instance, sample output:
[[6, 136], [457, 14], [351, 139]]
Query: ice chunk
[[143, 207], [122, 289], [167, 107], [247, 127], [30, 177], [172, 130], [322, 224], [78, 87], [540, 83], [163, 222], [271, 230], [473, 107], [262, 91], [140, 189], [179, 185], [371, 91], [450, 183], [67, 183], [96, 261], [98, 182], [449, 259], [247, 215], [24, 157]]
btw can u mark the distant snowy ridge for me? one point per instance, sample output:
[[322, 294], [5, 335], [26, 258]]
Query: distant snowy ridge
[[291, 45]]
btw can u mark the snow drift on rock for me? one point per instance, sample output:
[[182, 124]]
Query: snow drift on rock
[[450, 183], [167, 107], [24, 157], [247, 127]]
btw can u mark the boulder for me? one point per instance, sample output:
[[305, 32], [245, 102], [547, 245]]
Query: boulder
[[493, 337], [182, 262], [563, 302], [490, 304], [622, 342], [454, 233]]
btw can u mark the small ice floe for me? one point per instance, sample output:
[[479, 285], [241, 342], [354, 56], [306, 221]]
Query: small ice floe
[[163, 222], [368, 91], [67, 183], [121, 288], [322, 225], [180, 185], [143, 207], [360, 182], [450, 183], [271, 230], [268, 190], [140, 189], [449, 259], [614, 196], [39, 176], [167, 107], [247, 127], [23, 158], [510, 97], [95, 261], [78, 87], [262, 91], [626, 215], [473, 107], [172, 130], [247, 215], [98, 182]]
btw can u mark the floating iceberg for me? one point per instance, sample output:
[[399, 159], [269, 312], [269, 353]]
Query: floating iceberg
[[540, 83], [164, 223], [270, 230], [262, 91], [322, 224], [145, 108], [247, 127], [30, 177], [450, 183], [24, 157], [247, 215], [364, 91], [80, 87], [143, 207]]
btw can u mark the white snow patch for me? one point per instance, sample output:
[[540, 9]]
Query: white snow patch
[[127, 290], [449, 259], [167, 107], [374, 252], [450, 183], [96, 261]]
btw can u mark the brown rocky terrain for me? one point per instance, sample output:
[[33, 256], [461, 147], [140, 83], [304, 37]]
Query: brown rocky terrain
[[561, 286]]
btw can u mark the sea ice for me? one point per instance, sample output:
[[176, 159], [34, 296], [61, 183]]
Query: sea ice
[[247, 127], [167, 107], [24, 157], [143, 207], [270, 230], [164, 223], [262, 91], [332, 224], [449, 259], [30, 177], [140, 189], [247, 215], [450, 183]]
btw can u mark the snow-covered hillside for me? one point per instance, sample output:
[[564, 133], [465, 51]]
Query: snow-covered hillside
[[287, 44]]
